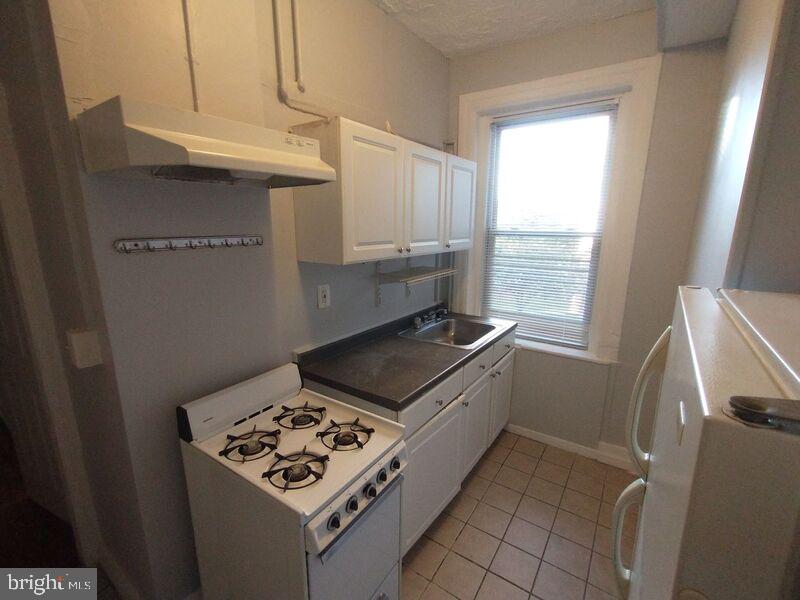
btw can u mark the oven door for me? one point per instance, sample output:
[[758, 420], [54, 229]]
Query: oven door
[[357, 562]]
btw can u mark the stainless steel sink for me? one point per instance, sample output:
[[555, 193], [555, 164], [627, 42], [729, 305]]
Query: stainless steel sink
[[456, 332]]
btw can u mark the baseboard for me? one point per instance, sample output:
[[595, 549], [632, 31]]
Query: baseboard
[[607, 453]]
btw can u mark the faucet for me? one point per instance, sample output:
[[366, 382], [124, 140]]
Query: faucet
[[429, 317]]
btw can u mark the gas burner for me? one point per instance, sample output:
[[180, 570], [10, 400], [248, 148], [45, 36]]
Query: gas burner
[[345, 436], [251, 445], [300, 417], [296, 470]]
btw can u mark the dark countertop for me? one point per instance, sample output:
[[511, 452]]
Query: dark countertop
[[390, 370]]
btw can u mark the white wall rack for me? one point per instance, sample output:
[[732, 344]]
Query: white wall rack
[[130, 246], [410, 276]]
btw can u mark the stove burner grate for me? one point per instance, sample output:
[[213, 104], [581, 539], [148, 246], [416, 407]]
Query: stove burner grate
[[300, 417], [342, 437], [297, 470], [250, 445]]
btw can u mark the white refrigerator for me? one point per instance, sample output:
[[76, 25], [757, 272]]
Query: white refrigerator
[[719, 489]]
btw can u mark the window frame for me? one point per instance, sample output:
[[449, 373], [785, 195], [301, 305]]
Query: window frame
[[633, 85], [573, 110]]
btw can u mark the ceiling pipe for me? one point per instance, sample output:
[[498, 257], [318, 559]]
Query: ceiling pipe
[[190, 55], [298, 61], [283, 94]]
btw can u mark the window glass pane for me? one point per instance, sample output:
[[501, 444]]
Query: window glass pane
[[548, 179]]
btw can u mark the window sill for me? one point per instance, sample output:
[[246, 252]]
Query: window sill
[[573, 353]]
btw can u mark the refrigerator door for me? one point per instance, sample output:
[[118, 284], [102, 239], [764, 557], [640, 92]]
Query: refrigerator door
[[676, 438]]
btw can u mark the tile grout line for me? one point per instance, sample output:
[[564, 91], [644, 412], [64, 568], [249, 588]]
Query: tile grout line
[[541, 559]]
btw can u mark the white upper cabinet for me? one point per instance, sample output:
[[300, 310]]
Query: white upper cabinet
[[460, 204], [392, 198], [424, 199], [371, 173]]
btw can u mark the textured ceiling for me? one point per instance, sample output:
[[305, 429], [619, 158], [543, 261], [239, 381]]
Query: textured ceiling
[[463, 26]]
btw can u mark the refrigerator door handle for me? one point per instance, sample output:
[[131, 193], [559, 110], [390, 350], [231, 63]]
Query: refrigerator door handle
[[633, 494], [654, 364]]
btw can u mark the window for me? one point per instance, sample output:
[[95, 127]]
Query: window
[[547, 189]]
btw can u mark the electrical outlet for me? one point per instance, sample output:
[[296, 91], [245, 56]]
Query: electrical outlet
[[323, 296]]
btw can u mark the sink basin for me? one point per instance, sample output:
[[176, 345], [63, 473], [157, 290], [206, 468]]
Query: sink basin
[[459, 333]]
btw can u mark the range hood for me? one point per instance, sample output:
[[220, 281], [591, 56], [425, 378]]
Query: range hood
[[128, 136]]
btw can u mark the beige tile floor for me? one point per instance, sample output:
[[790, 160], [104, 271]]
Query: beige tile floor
[[531, 523]]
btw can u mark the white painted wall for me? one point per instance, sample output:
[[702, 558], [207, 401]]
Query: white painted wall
[[583, 402], [566, 51], [738, 144], [181, 325]]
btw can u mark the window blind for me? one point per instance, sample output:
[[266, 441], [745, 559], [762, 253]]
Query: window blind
[[547, 193]]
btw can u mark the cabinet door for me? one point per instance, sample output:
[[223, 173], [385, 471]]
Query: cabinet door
[[475, 422], [502, 375], [371, 173], [433, 474], [424, 192], [460, 214]]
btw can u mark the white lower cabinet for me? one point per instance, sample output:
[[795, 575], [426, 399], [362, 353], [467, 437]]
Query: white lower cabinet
[[433, 474], [502, 375], [476, 403]]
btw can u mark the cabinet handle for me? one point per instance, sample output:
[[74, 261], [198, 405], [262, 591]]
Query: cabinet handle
[[482, 367], [493, 374], [465, 403], [400, 250], [408, 249], [447, 245], [440, 402], [499, 372], [508, 346]]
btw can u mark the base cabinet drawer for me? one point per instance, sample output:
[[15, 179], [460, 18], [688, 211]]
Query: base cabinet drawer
[[503, 346], [477, 367], [432, 476], [430, 403]]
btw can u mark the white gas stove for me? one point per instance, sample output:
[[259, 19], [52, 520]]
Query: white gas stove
[[291, 490]]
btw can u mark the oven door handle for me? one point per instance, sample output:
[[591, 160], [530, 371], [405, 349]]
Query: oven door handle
[[339, 540]]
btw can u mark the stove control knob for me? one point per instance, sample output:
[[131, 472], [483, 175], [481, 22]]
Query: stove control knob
[[352, 504], [370, 491], [382, 477], [334, 521], [395, 464]]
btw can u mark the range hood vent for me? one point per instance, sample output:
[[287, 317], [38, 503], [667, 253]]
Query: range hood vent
[[127, 136]]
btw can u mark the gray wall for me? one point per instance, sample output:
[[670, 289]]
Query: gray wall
[[56, 277], [772, 259], [181, 325], [723, 218], [580, 401]]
